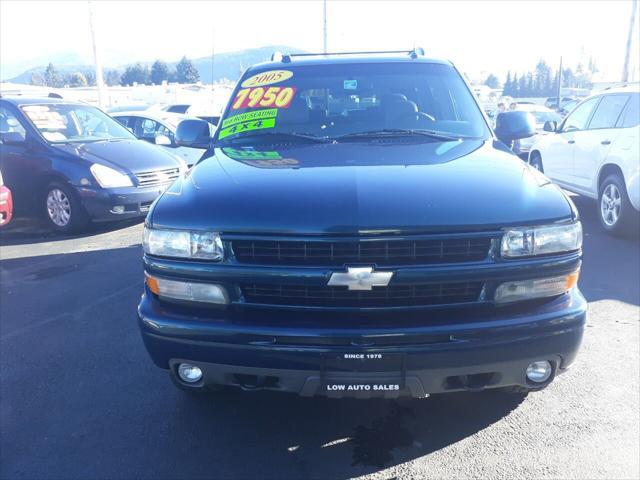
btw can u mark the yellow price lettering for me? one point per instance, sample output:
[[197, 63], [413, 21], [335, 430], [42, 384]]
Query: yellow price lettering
[[284, 97], [269, 96], [241, 97], [254, 96]]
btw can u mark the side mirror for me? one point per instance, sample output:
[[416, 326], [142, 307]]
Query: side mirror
[[162, 140], [514, 125], [194, 134], [12, 138], [550, 126]]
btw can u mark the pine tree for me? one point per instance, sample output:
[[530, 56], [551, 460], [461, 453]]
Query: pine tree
[[159, 72], [186, 71], [508, 86], [492, 81], [52, 78]]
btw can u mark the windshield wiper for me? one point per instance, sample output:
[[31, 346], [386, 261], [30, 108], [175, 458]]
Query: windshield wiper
[[279, 136], [400, 132]]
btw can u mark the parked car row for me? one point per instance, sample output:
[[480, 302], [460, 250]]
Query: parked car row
[[74, 164], [159, 128]]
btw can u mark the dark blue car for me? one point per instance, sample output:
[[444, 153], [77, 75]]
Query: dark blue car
[[357, 229], [72, 163]]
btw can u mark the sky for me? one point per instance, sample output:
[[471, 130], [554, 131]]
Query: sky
[[478, 36]]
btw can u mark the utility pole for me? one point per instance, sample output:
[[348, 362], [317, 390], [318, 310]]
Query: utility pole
[[559, 84], [96, 57], [625, 68], [324, 25]]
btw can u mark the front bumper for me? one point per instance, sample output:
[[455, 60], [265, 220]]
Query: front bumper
[[101, 203], [471, 351]]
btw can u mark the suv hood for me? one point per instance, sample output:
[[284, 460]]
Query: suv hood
[[129, 155], [361, 188]]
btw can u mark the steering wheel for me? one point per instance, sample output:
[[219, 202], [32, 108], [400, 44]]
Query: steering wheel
[[426, 116]]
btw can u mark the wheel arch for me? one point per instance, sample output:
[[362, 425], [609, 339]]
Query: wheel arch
[[606, 170]]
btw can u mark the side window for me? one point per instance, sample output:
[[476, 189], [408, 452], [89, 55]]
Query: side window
[[146, 129], [124, 121], [578, 119], [631, 115], [10, 126], [608, 111]]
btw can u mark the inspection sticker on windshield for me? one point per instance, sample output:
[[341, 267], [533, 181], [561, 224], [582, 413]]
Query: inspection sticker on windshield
[[279, 97], [350, 84], [267, 78]]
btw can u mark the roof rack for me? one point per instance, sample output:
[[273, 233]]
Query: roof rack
[[286, 57]]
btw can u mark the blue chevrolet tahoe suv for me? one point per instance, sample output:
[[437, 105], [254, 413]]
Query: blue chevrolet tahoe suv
[[357, 229]]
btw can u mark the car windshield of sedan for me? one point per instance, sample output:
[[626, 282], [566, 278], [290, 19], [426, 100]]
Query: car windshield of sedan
[[64, 123], [352, 101], [543, 116]]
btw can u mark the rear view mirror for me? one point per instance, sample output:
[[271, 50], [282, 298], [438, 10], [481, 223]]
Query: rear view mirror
[[550, 126], [514, 125], [193, 133], [162, 140], [12, 138]]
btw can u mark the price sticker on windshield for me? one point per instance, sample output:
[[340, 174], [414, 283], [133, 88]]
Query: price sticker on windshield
[[261, 97]]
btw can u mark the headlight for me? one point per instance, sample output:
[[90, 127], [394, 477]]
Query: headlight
[[108, 177], [183, 244], [521, 242]]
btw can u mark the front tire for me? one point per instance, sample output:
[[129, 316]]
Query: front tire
[[63, 210], [615, 211]]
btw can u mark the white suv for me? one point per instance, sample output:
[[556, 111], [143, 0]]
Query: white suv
[[595, 152]]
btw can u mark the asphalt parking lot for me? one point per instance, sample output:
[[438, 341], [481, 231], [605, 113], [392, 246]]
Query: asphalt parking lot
[[80, 398]]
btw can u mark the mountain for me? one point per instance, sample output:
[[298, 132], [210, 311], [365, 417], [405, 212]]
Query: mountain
[[231, 64], [227, 65]]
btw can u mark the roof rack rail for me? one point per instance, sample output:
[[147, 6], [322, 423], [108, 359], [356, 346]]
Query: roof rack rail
[[286, 58]]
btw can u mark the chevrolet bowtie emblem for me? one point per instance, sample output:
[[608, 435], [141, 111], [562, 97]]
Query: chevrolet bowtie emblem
[[360, 278]]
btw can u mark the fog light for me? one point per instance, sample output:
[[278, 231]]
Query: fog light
[[119, 209], [189, 373], [539, 372]]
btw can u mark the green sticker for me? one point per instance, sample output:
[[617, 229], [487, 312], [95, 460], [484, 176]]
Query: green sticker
[[245, 117], [238, 154], [247, 126]]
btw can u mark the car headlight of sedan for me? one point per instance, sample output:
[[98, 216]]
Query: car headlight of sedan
[[183, 244], [109, 177], [544, 240]]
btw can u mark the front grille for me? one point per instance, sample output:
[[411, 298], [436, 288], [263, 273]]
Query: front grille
[[391, 296], [157, 177], [379, 252]]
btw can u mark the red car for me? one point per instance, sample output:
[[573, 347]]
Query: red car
[[6, 203]]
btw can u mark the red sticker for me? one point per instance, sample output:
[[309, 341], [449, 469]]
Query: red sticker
[[264, 97]]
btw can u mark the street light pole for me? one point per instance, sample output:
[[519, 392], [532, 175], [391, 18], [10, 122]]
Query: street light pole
[[96, 57], [324, 25], [559, 84], [625, 68]]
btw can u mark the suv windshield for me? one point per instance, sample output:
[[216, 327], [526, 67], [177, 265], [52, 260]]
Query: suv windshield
[[344, 100], [64, 123]]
